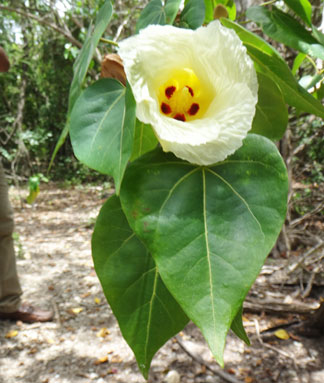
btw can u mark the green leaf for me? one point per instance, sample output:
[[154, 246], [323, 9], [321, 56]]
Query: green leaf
[[82, 62], [297, 63], [146, 312], [157, 13], [193, 13], [309, 81], [171, 10], [102, 127], [144, 141], [209, 230], [318, 34], [268, 61], [283, 28], [302, 8], [209, 7], [238, 328], [81, 66], [271, 117]]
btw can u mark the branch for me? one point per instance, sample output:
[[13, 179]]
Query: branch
[[67, 34]]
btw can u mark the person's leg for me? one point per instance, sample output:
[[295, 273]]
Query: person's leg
[[10, 290]]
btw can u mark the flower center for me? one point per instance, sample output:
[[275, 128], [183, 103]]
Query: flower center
[[183, 97]]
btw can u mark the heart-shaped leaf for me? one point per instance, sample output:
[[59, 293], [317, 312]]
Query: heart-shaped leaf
[[193, 13], [208, 229], [146, 312], [102, 127], [157, 13]]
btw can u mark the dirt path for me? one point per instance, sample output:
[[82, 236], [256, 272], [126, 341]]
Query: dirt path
[[84, 344]]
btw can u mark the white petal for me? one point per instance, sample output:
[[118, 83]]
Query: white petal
[[219, 59]]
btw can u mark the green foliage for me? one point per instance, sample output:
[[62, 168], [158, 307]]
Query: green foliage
[[102, 127], [157, 13], [193, 14], [82, 64], [146, 312], [202, 224], [186, 241], [144, 140], [268, 61], [302, 8], [271, 116], [284, 28]]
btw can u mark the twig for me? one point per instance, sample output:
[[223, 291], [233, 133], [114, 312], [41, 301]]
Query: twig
[[317, 209], [227, 377], [57, 314], [307, 254], [283, 353], [309, 285]]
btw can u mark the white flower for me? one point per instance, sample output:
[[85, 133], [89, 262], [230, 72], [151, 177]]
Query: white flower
[[198, 89]]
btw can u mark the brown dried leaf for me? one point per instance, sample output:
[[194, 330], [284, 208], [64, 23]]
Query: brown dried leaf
[[220, 11], [112, 67]]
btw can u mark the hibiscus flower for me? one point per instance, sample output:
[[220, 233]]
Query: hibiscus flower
[[198, 89]]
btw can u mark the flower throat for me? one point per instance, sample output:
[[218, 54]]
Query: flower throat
[[182, 97]]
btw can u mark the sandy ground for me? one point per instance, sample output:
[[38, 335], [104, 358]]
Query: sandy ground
[[83, 344]]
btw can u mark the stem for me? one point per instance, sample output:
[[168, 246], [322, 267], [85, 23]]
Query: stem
[[268, 2], [109, 42], [313, 63]]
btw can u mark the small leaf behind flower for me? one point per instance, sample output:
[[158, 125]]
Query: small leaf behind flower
[[193, 13], [268, 61], [157, 13], [271, 117]]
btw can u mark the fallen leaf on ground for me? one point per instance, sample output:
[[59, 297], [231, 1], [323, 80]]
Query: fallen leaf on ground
[[76, 310], [97, 300], [104, 359], [282, 334], [103, 332], [11, 334], [116, 359]]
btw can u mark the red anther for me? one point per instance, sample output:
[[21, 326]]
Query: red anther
[[169, 91], [165, 108], [193, 109], [180, 117], [190, 90]]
